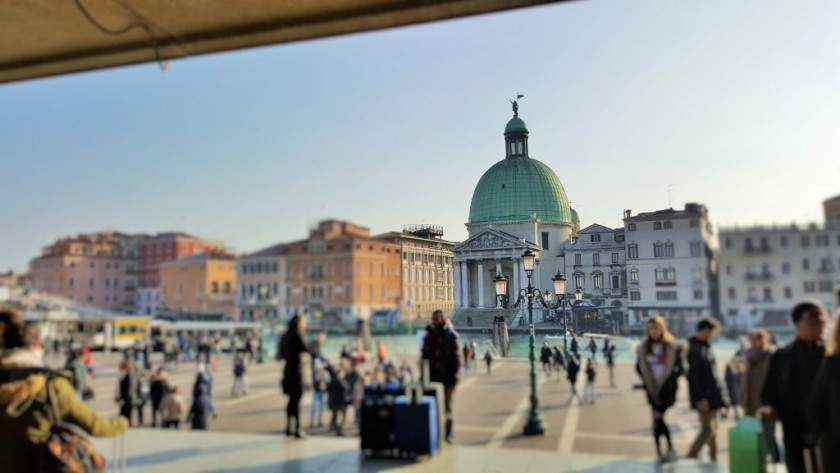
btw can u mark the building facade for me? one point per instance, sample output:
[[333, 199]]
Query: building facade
[[595, 263], [261, 277], [154, 251], [427, 282], [341, 274], [671, 266], [91, 269], [203, 283], [766, 270], [518, 204]]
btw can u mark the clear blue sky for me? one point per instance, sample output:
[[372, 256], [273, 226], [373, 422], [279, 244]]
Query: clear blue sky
[[735, 104]]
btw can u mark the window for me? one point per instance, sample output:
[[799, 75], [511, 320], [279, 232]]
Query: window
[[214, 287], [578, 281], [751, 294], [788, 292], [634, 276], [545, 240], [665, 275], [731, 293], [729, 270], [597, 281], [805, 241], [90, 283], [694, 223], [825, 264], [810, 286], [697, 273], [783, 241], [764, 243], [657, 225], [698, 294], [658, 250], [70, 282], [578, 259], [596, 259], [806, 264], [825, 286], [695, 248], [768, 294], [666, 295], [669, 249], [92, 264], [785, 268], [727, 243], [635, 296], [633, 250], [668, 225], [631, 227], [748, 244], [594, 238], [616, 281]]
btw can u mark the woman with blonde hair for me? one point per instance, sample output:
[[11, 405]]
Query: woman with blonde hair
[[660, 364], [824, 403]]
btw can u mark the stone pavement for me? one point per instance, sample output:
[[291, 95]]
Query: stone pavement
[[489, 416], [161, 451]]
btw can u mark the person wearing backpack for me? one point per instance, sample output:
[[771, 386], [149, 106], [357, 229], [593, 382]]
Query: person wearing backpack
[[35, 402]]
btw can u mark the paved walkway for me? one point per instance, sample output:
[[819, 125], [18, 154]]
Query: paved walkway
[[611, 435], [157, 451]]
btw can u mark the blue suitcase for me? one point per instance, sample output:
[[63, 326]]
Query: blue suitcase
[[416, 423]]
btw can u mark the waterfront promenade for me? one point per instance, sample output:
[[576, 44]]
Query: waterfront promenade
[[611, 435]]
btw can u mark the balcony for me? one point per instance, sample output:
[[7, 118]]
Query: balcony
[[758, 277], [577, 266]]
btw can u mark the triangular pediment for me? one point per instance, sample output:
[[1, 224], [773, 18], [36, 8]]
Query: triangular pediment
[[490, 239], [597, 228]]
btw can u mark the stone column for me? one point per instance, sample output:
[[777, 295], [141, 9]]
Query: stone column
[[480, 269], [457, 283], [516, 278], [465, 287], [498, 271]]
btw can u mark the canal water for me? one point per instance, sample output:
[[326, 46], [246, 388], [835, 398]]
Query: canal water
[[408, 346]]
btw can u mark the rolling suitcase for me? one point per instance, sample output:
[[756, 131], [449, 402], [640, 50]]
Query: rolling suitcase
[[435, 391], [747, 446], [377, 419], [416, 424]]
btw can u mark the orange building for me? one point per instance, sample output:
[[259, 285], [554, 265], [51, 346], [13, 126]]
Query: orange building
[[92, 269], [202, 283], [340, 273]]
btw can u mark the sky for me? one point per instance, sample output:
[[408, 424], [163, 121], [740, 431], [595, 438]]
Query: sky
[[732, 104]]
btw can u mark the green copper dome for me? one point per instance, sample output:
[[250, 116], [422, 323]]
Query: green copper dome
[[516, 188], [516, 125], [575, 217]]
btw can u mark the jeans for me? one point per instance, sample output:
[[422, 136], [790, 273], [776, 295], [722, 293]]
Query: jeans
[[316, 413]]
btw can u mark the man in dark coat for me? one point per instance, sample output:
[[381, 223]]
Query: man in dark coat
[[790, 379], [440, 349], [704, 386]]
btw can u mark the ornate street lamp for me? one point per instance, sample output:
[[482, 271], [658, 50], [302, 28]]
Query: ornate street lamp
[[560, 282], [535, 424]]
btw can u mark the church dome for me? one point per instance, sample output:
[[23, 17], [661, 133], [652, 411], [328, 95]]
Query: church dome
[[516, 125], [517, 188]]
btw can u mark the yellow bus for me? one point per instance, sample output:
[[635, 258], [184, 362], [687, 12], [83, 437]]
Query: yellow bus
[[112, 333]]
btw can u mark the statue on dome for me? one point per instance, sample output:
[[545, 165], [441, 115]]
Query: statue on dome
[[516, 105]]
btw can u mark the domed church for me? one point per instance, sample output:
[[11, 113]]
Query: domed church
[[518, 204]]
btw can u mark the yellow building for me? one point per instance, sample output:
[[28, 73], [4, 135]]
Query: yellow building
[[202, 283]]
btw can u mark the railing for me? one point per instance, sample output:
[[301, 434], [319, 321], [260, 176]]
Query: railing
[[757, 250]]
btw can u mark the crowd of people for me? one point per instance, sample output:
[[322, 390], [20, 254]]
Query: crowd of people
[[795, 385]]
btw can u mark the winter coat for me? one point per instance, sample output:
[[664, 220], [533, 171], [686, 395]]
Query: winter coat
[[129, 389], [824, 411], [173, 407], [662, 395], [790, 378], [572, 370], [23, 416], [202, 404], [291, 350], [158, 390], [545, 355], [703, 381], [339, 393], [756, 364], [440, 348]]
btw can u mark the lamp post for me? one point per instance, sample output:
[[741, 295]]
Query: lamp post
[[535, 424]]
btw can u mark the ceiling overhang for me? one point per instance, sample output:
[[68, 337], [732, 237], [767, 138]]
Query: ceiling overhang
[[42, 38]]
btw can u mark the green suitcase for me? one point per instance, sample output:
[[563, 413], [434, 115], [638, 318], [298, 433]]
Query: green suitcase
[[747, 447]]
